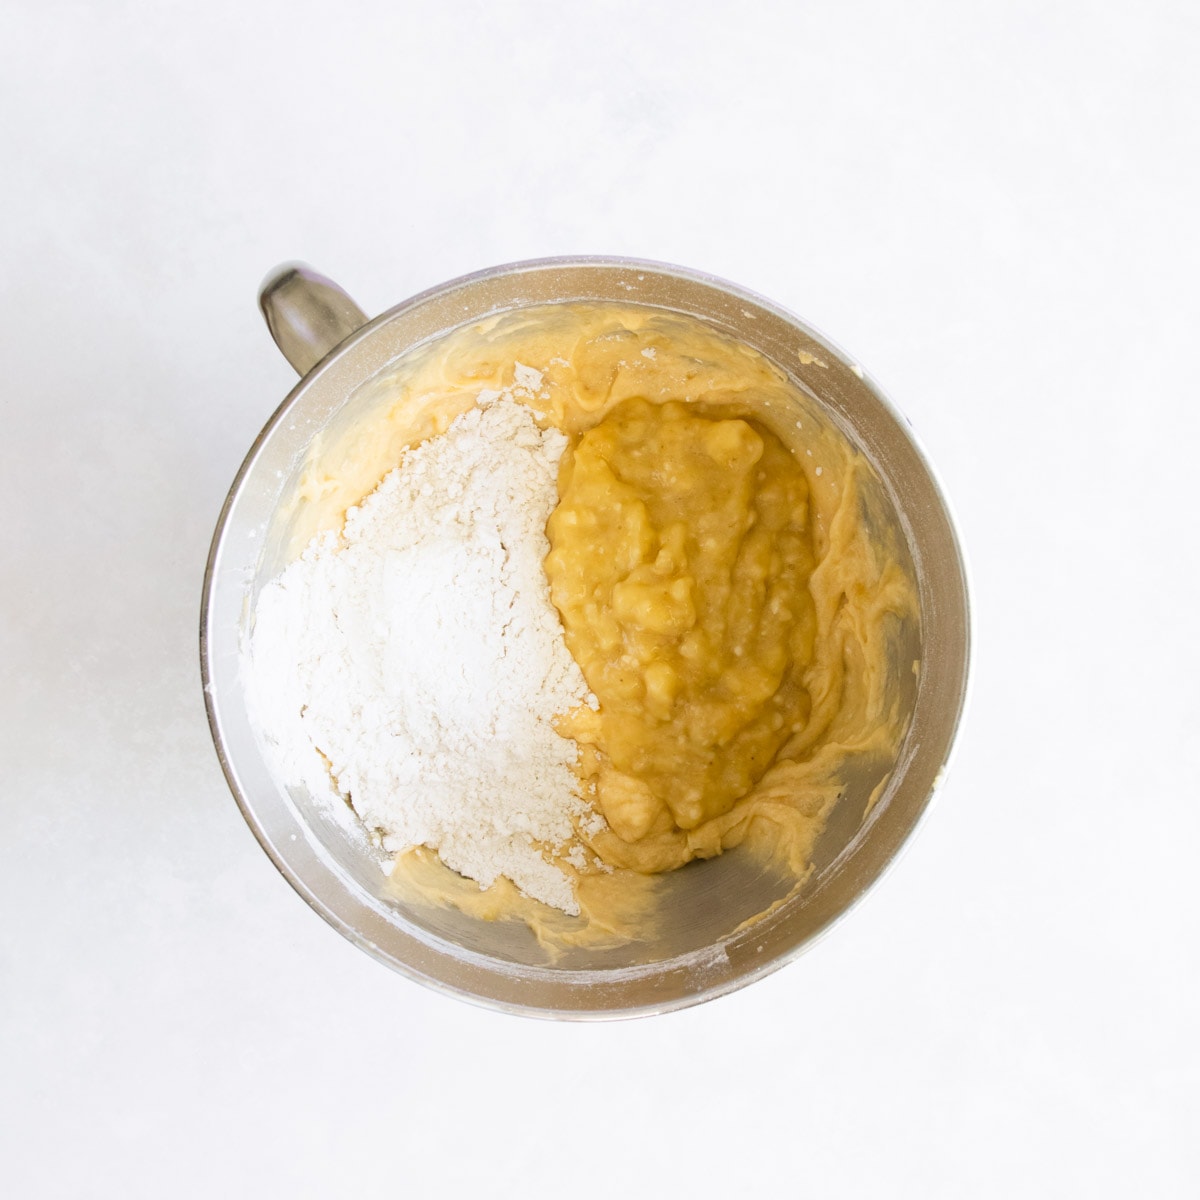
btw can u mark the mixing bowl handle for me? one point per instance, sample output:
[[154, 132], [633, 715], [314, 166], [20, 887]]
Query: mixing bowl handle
[[307, 314]]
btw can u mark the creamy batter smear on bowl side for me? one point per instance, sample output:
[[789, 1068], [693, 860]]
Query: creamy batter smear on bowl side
[[586, 592]]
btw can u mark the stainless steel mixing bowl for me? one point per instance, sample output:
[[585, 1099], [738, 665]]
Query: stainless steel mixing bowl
[[699, 951]]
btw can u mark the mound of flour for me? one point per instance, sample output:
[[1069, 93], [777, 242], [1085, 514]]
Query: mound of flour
[[417, 661]]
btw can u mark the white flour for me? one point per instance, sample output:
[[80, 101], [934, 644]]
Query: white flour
[[419, 653]]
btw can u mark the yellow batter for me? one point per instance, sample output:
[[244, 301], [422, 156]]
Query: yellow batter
[[718, 584]]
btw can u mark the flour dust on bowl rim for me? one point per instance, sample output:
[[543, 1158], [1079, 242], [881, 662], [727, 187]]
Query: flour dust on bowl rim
[[704, 946]]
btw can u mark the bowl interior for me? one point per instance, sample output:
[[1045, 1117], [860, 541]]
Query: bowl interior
[[698, 949]]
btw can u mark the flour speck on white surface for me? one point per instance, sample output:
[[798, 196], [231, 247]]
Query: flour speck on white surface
[[416, 660]]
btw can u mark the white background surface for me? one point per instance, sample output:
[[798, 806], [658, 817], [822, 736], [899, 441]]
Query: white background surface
[[992, 205]]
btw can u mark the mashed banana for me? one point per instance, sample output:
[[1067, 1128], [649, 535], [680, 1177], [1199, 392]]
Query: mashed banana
[[680, 558]]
